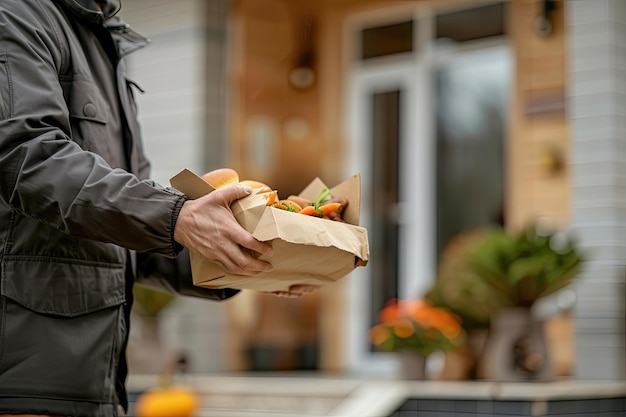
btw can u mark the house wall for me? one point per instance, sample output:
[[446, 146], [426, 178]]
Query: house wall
[[538, 187], [597, 99], [538, 184]]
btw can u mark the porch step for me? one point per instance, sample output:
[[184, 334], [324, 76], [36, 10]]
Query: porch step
[[252, 396], [317, 396]]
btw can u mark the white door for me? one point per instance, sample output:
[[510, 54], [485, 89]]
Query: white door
[[426, 130], [392, 149]]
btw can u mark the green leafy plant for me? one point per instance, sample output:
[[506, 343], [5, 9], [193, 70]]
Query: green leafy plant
[[459, 288], [525, 266]]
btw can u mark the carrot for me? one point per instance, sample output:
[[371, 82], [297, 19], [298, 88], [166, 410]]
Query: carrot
[[328, 208], [310, 211], [270, 195]]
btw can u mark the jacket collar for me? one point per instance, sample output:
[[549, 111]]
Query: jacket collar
[[89, 10], [127, 40]]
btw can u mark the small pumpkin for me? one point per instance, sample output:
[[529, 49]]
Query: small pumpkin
[[171, 401]]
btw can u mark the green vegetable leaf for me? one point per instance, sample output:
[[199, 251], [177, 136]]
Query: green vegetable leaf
[[323, 196]]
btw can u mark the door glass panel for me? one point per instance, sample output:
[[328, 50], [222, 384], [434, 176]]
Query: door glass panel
[[471, 24], [387, 40], [385, 128], [472, 96]]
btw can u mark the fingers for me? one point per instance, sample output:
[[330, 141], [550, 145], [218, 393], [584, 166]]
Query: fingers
[[296, 291], [207, 226], [286, 294], [245, 240], [303, 289], [239, 261]]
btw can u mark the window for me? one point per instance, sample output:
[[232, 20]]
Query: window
[[471, 24], [471, 106], [386, 40]]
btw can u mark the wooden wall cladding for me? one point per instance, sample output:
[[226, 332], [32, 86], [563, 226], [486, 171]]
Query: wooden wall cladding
[[538, 176]]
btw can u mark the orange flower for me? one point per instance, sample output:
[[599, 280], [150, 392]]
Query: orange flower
[[390, 312], [415, 324], [414, 308], [379, 334], [403, 328], [451, 332]]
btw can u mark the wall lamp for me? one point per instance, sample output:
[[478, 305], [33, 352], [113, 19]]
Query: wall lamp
[[543, 22]]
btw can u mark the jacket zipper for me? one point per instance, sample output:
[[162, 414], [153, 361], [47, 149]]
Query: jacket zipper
[[6, 89]]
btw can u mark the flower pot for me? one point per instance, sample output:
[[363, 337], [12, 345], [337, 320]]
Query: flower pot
[[461, 364], [412, 365], [516, 348]]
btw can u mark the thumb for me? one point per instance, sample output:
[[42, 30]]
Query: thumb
[[233, 192]]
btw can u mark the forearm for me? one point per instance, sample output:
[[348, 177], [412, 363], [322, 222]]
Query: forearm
[[174, 275]]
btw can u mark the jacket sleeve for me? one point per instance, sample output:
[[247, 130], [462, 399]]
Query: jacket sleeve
[[46, 175], [174, 275]]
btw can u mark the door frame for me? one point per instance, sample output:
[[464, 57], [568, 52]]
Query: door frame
[[413, 73], [414, 211]]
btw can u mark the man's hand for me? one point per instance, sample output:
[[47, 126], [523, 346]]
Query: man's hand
[[296, 291], [207, 226]]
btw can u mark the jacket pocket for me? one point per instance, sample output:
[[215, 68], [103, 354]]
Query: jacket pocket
[[6, 88], [60, 329], [89, 113], [65, 289], [85, 102]]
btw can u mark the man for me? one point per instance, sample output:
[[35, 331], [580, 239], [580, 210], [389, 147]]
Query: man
[[80, 220]]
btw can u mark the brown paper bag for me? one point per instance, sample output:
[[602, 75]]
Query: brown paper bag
[[307, 250]]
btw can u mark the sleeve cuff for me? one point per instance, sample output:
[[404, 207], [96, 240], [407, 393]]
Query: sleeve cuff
[[177, 247]]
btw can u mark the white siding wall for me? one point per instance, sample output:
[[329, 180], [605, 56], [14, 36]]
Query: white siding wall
[[173, 71], [598, 133], [182, 101]]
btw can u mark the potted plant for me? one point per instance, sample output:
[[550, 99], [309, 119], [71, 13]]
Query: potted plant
[[526, 266], [460, 290], [521, 268], [414, 329]]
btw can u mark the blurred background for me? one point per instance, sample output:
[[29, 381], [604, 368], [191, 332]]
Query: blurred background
[[460, 115]]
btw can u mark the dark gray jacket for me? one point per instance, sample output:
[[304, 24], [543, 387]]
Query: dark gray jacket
[[79, 220]]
